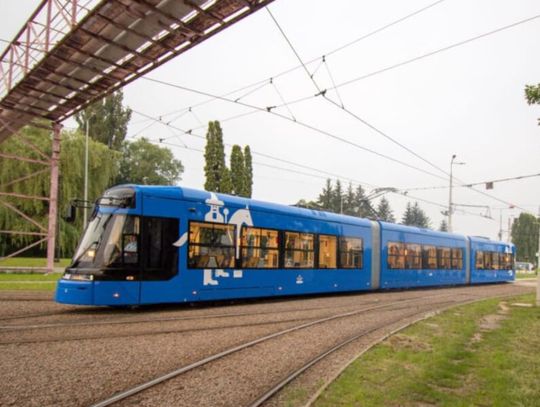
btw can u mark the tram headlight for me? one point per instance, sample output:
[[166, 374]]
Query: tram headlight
[[82, 277]]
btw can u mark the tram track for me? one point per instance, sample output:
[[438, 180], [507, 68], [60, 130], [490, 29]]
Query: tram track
[[252, 343], [127, 321], [152, 332], [65, 337], [151, 320], [291, 376], [37, 315], [81, 373]]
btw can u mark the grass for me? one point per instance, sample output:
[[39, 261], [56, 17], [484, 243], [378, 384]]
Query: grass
[[35, 277], [29, 282], [35, 286], [453, 359], [525, 275], [31, 262]]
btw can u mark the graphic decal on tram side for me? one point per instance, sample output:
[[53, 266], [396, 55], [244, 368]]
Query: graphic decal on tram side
[[218, 213]]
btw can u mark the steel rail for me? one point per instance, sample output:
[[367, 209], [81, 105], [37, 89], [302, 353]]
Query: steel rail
[[177, 372], [193, 317], [166, 319], [12, 328], [152, 332], [425, 314], [393, 332]]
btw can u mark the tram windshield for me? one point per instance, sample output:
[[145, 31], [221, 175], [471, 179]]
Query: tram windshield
[[110, 241]]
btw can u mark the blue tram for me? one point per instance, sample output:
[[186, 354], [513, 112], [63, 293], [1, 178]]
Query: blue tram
[[153, 244]]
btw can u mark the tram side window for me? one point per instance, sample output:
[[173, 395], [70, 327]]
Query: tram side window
[[413, 256], [506, 261], [444, 259], [479, 262], [488, 264], [429, 257], [396, 255], [299, 250], [351, 253], [260, 248], [327, 252], [211, 245], [495, 261], [457, 259], [160, 254]]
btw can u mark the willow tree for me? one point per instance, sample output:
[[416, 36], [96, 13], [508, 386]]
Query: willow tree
[[102, 171]]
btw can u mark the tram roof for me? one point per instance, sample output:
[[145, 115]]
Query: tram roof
[[184, 193]]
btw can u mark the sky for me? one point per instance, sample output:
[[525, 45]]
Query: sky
[[467, 100]]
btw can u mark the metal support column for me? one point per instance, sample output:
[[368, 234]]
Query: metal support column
[[53, 199]]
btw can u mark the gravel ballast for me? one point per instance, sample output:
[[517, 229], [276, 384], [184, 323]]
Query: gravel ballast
[[80, 365]]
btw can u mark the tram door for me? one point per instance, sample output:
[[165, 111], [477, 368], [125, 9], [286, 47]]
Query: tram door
[[159, 257]]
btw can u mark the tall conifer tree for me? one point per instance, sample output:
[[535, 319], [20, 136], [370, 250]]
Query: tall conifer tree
[[325, 197], [363, 205], [349, 202], [248, 165], [238, 171], [384, 211], [337, 198], [443, 227], [214, 155]]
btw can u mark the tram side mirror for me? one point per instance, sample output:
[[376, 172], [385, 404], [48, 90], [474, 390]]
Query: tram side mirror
[[71, 213]]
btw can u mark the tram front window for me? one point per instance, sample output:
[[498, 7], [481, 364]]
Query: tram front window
[[110, 242]]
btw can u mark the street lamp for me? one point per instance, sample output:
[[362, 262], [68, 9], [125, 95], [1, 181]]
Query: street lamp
[[452, 163], [85, 212]]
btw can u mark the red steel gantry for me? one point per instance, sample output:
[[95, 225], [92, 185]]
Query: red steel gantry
[[71, 53]]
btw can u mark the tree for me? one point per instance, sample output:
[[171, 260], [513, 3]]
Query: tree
[[384, 211], [532, 95], [248, 163], [238, 171], [443, 226], [362, 204], [108, 120], [326, 196], [349, 202], [102, 169], [415, 216], [145, 163], [337, 198], [218, 178], [525, 237], [408, 216]]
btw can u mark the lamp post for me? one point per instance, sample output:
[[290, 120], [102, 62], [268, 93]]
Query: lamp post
[[85, 212], [452, 163]]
